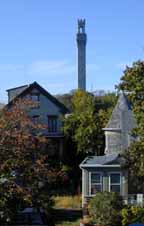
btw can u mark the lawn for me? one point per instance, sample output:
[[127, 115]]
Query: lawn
[[67, 202], [69, 223], [67, 210]]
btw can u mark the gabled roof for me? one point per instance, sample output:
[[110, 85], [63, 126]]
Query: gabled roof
[[115, 120], [101, 161], [35, 85]]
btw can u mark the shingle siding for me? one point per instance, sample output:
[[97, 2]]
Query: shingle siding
[[46, 107], [118, 129]]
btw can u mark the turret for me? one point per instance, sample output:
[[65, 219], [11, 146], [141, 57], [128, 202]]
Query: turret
[[118, 129]]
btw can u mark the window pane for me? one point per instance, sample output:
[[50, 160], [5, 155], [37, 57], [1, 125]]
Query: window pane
[[115, 178], [115, 188], [95, 188], [95, 178]]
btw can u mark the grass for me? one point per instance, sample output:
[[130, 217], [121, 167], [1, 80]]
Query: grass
[[69, 223], [68, 202]]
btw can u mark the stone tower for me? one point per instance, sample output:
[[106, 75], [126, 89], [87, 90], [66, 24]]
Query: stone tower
[[81, 44], [118, 130]]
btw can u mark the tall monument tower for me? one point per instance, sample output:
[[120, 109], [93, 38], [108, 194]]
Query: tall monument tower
[[81, 44]]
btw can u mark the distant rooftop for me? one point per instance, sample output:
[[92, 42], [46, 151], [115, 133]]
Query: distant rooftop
[[101, 92]]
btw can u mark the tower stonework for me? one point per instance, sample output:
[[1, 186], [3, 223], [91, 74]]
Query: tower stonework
[[81, 44]]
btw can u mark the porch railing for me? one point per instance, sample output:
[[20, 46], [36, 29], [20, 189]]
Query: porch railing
[[134, 199], [131, 199]]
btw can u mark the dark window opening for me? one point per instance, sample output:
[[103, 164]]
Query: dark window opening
[[35, 119], [115, 182], [52, 123]]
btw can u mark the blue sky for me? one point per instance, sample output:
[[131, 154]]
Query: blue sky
[[38, 42]]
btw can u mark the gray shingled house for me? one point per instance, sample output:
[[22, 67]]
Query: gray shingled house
[[105, 173], [48, 111]]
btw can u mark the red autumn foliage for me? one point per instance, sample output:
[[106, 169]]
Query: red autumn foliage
[[25, 177]]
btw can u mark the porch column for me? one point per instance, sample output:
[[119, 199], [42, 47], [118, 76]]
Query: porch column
[[124, 185], [105, 186], [85, 186]]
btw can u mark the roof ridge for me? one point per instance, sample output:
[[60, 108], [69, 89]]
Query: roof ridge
[[45, 92]]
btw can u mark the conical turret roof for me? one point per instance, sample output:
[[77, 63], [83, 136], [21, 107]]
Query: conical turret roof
[[115, 121]]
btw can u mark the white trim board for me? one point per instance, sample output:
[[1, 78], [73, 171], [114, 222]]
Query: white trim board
[[98, 165]]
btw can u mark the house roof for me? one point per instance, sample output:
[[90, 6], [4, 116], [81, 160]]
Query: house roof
[[115, 120], [35, 85], [101, 161], [18, 87]]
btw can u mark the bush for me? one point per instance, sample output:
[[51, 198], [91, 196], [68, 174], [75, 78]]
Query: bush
[[105, 209], [132, 214]]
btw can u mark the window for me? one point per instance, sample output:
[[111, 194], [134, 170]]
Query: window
[[52, 123], [35, 97], [96, 183], [114, 182], [35, 119]]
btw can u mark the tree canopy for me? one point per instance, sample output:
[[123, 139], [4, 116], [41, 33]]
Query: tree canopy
[[132, 83], [84, 125], [26, 179]]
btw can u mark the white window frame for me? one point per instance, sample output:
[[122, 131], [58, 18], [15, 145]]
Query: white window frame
[[120, 184], [101, 181]]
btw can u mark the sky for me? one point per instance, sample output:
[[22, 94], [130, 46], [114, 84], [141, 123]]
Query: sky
[[38, 42]]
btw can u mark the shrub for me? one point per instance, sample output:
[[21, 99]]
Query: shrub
[[132, 214], [105, 209]]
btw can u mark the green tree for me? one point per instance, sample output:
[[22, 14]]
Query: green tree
[[134, 163], [82, 125], [132, 83], [106, 102], [66, 99]]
